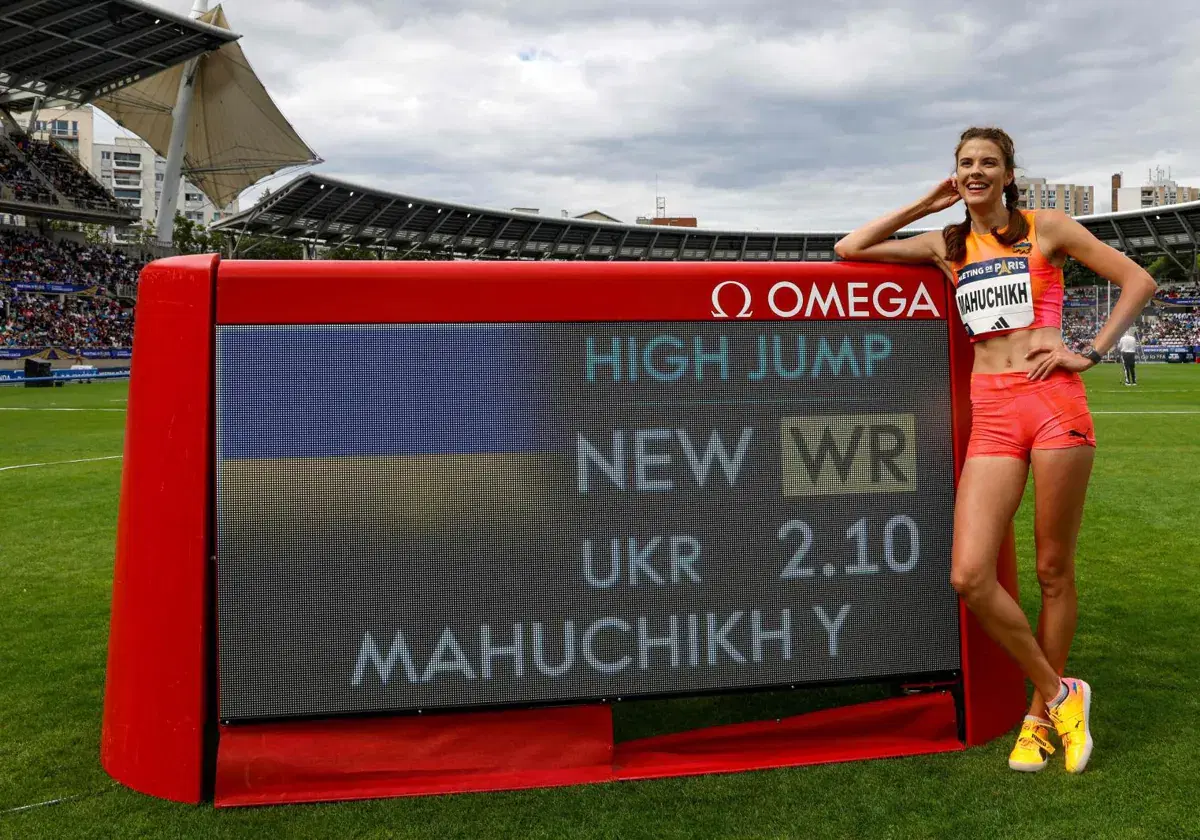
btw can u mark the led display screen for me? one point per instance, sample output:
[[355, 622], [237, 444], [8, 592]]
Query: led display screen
[[457, 515]]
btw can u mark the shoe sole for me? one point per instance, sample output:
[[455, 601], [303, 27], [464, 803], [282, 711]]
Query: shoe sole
[[1087, 724], [1025, 768]]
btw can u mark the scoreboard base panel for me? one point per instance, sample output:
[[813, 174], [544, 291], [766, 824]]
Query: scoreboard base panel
[[898, 726], [473, 752]]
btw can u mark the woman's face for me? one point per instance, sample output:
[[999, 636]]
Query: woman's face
[[981, 173]]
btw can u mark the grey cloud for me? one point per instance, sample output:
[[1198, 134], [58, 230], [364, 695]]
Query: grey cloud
[[770, 14], [1083, 88]]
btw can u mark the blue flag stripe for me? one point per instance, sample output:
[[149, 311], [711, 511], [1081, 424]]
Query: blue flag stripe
[[318, 391]]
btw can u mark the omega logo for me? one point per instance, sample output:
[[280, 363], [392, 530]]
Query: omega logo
[[849, 300], [719, 311]]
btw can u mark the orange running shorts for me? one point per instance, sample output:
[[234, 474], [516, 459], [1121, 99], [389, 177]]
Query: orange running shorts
[[1011, 414]]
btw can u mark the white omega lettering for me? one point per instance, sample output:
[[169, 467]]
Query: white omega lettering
[[856, 299], [922, 301], [832, 299], [719, 311], [897, 303], [785, 284]]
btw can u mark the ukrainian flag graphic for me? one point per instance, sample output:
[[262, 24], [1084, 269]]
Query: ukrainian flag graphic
[[396, 426]]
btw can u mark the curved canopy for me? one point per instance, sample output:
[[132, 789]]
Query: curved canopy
[[237, 135]]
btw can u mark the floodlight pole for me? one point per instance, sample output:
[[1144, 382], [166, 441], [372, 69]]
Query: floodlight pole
[[164, 226]]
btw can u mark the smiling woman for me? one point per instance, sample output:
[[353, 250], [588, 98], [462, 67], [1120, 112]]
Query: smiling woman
[[1029, 408]]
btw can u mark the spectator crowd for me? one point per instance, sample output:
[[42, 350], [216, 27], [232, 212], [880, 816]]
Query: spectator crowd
[[1162, 325], [1166, 328], [67, 175], [1179, 291], [1171, 328], [19, 182], [68, 321], [76, 323], [1079, 329], [28, 258]]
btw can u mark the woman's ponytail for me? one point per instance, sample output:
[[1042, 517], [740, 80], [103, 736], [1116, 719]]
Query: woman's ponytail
[[955, 237], [1018, 226]]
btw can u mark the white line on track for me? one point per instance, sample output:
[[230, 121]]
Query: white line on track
[[43, 804], [58, 801], [55, 463], [31, 408], [1146, 412]]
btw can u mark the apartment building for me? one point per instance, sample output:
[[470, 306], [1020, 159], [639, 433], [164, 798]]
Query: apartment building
[[1158, 191], [1072, 199], [134, 173]]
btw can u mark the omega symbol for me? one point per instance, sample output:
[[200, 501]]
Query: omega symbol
[[719, 311]]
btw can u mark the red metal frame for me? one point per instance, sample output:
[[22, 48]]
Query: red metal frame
[[157, 686], [158, 705]]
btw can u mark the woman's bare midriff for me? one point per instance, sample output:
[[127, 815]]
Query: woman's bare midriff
[[1006, 353]]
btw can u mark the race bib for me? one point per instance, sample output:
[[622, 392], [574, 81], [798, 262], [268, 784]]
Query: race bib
[[994, 295]]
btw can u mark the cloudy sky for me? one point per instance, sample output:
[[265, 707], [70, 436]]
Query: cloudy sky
[[767, 114]]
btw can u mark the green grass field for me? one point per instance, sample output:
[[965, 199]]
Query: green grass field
[[1139, 579]]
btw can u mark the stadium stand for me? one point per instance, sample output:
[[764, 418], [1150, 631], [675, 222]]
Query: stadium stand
[[41, 172], [75, 323], [38, 314], [1171, 328], [57, 294], [1172, 319], [17, 180], [1180, 291], [1078, 329], [67, 175], [29, 258]]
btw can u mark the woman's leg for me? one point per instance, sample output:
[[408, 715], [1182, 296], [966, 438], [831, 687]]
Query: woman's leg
[[989, 493], [1060, 478]]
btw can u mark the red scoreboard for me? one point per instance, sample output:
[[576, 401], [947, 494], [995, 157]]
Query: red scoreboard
[[394, 528]]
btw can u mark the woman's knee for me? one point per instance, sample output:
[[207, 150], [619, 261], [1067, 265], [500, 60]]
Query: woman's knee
[[1055, 571], [971, 580]]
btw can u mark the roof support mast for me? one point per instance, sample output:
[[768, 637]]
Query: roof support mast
[[180, 122], [33, 115]]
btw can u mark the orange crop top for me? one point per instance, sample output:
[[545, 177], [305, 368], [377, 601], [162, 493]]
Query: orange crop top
[[1000, 289]]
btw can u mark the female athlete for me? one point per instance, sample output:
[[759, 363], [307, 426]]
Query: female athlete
[[1029, 408]]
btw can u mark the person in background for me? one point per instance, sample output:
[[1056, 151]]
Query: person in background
[[1128, 346]]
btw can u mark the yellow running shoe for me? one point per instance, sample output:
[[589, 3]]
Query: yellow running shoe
[[1033, 747], [1071, 718]]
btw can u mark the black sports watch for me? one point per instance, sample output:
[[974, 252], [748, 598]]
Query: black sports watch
[[1093, 354]]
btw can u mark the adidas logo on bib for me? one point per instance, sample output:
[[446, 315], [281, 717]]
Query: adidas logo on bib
[[1000, 324]]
